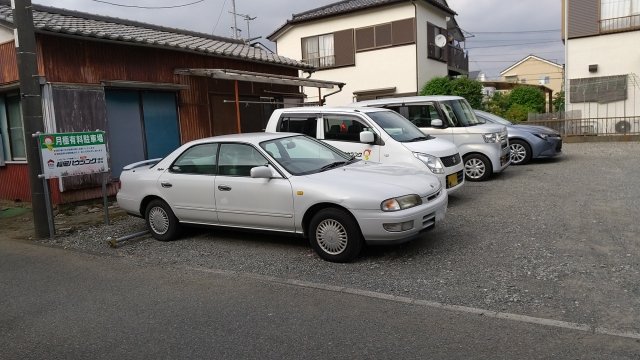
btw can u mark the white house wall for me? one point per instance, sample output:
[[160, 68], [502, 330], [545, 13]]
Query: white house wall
[[428, 68], [375, 69], [5, 34], [615, 54]]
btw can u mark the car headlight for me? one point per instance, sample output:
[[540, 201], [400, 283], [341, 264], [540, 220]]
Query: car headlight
[[491, 137], [542, 136], [401, 203], [433, 163]]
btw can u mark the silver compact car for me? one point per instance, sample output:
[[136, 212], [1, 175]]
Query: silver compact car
[[526, 141], [283, 182]]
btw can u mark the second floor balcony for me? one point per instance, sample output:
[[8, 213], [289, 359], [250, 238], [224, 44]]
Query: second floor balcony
[[457, 60]]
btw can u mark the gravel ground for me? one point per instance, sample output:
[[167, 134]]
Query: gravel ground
[[557, 238]]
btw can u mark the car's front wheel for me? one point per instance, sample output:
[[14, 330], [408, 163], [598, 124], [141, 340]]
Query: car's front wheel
[[477, 167], [335, 235], [161, 221], [520, 152]]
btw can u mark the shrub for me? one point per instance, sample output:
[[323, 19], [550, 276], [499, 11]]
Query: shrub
[[437, 86], [529, 97], [498, 104], [517, 112], [468, 89]]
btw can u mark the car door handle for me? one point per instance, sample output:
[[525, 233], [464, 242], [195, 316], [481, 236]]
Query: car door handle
[[166, 184], [224, 188]]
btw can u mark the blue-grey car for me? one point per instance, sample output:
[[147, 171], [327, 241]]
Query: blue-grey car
[[527, 141]]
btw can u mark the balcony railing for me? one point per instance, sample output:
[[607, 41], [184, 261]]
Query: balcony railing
[[457, 59], [321, 62], [619, 24]]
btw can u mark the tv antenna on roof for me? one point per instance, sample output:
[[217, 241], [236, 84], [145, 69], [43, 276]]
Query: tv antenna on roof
[[235, 29]]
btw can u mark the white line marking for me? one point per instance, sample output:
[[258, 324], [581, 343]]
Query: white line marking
[[430, 304]]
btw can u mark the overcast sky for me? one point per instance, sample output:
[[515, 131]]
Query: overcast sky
[[489, 51]]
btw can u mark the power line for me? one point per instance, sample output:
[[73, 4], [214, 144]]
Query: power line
[[219, 16], [521, 53], [494, 46], [148, 7], [514, 32], [504, 40]]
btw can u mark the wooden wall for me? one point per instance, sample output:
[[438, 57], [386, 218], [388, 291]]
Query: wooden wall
[[70, 60]]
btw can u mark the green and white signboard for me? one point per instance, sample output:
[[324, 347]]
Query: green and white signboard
[[71, 154]]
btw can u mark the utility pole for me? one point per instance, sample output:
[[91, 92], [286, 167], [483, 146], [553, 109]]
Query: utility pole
[[25, 39], [233, 14]]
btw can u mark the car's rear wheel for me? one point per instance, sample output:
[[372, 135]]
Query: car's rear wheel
[[335, 235], [520, 152], [161, 221], [477, 167]]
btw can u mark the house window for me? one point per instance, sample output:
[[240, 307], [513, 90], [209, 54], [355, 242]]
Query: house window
[[511, 78], [318, 51], [619, 14], [523, 81], [11, 128], [435, 52], [544, 80]]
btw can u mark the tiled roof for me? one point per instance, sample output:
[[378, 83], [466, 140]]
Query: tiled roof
[[346, 6], [55, 20], [351, 5]]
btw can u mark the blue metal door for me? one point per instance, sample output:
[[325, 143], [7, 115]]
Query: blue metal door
[[160, 123], [126, 143]]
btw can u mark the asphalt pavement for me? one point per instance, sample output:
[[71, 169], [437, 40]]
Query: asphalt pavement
[[68, 304]]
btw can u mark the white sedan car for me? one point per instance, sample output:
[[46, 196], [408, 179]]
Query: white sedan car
[[286, 183]]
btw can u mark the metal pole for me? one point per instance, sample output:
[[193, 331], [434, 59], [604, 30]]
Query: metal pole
[[567, 89], [237, 106], [115, 242], [25, 41], [319, 96], [104, 195], [52, 230]]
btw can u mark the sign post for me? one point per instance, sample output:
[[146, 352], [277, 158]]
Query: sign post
[[72, 154]]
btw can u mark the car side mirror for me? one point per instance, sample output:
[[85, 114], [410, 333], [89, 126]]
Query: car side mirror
[[436, 123], [367, 137], [261, 172], [481, 120]]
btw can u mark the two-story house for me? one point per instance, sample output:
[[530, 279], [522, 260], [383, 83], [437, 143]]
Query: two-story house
[[535, 70], [379, 48], [603, 61]]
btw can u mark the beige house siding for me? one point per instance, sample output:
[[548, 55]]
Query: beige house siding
[[532, 70]]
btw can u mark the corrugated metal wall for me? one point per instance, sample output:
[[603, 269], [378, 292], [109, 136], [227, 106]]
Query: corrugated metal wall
[[8, 63], [14, 182]]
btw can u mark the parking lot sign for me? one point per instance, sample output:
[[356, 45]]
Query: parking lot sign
[[71, 154]]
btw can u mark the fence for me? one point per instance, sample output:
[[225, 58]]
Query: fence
[[610, 126]]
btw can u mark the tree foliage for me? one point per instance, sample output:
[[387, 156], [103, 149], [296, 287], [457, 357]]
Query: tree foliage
[[558, 101], [517, 104], [469, 89], [529, 97]]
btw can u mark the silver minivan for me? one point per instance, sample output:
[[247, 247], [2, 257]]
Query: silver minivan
[[484, 147]]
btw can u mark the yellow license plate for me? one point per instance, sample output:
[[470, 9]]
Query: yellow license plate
[[503, 160], [452, 180]]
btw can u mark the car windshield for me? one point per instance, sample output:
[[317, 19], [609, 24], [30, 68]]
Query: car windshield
[[459, 113], [494, 118], [302, 155], [398, 127]]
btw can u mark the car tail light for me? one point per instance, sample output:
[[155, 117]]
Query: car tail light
[[119, 184]]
